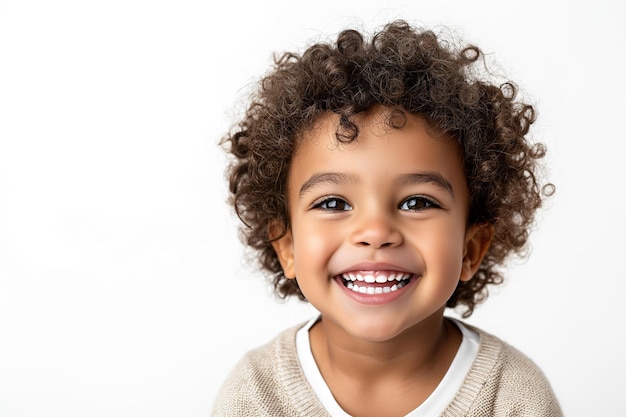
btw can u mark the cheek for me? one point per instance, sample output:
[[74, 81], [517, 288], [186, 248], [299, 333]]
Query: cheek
[[444, 251], [313, 247]]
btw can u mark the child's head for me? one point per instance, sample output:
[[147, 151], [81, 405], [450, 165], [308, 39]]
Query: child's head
[[405, 72]]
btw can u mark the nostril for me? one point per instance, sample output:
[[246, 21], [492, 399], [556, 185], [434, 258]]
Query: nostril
[[376, 234], [382, 245]]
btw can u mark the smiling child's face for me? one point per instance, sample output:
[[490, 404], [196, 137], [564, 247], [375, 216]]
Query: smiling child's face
[[379, 237]]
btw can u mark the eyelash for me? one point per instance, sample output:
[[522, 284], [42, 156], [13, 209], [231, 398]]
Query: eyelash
[[334, 204], [323, 204], [424, 202]]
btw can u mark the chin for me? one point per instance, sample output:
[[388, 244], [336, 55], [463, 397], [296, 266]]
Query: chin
[[375, 331]]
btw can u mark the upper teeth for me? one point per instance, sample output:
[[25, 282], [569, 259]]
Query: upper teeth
[[380, 277]]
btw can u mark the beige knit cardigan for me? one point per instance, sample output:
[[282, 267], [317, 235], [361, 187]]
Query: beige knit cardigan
[[269, 381]]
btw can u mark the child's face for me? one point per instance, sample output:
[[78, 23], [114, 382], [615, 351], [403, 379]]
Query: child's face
[[391, 207]]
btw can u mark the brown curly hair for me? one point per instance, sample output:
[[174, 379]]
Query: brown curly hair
[[400, 67]]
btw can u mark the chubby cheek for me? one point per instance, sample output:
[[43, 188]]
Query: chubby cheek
[[313, 247], [443, 255]]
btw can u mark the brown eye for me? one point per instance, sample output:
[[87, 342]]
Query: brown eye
[[333, 204], [416, 203]]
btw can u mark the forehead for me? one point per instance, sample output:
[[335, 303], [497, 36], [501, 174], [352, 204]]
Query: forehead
[[379, 156], [413, 147]]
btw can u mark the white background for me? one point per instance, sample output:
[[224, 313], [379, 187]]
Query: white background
[[122, 286]]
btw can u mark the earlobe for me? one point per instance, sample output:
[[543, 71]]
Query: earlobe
[[477, 241], [283, 246]]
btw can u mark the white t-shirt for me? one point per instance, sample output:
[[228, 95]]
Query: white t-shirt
[[434, 404]]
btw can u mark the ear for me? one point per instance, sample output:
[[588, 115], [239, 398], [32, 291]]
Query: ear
[[283, 247], [477, 241]]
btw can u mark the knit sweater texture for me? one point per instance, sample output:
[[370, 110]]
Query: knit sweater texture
[[502, 381]]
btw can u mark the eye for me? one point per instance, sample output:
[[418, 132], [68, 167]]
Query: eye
[[332, 204], [417, 203]]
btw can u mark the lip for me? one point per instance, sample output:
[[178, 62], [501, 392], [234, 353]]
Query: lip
[[375, 266], [376, 298]]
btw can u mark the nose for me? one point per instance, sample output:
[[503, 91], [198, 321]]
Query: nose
[[377, 230]]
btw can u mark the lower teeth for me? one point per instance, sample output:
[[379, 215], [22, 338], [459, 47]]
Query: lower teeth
[[375, 290]]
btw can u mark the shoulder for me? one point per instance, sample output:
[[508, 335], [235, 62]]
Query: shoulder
[[267, 381], [505, 382]]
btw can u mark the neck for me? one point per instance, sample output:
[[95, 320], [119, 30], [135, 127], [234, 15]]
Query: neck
[[423, 350]]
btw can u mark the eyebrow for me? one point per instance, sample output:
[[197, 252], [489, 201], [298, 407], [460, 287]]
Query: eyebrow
[[326, 177], [428, 177]]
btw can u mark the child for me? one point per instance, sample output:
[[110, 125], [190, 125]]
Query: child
[[384, 181]]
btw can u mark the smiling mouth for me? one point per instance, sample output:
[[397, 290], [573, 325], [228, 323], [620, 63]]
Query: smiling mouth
[[375, 282]]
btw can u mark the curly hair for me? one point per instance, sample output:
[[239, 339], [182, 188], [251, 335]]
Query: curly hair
[[399, 67]]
